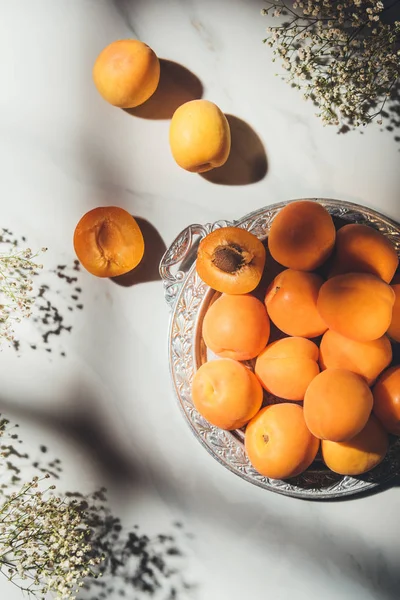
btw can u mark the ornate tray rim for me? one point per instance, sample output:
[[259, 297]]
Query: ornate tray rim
[[225, 446]]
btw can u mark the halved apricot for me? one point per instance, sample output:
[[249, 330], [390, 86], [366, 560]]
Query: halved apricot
[[231, 260], [108, 241]]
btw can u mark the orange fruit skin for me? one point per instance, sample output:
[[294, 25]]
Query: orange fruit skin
[[394, 328], [337, 405], [387, 400], [362, 249], [360, 454], [126, 73], [367, 359], [108, 241], [357, 305], [247, 277], [291, 302], [302, 235], [278, 443], [236, 327], [226, 393], [286, 367], [199, 136]]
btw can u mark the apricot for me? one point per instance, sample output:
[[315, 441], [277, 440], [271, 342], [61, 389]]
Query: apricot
[[302, 235], [199, 136], [108, 241], [286, 367], [394, 327], [387, 400], [236, 327], [357, 305], [291, 302], [126, 73], [278, 442], [337, 405], [226, 393], [367, 359], [360, 454], [362, 249], [231, 260]]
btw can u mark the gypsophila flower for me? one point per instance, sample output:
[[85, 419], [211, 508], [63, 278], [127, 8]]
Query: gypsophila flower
[[341, 54]]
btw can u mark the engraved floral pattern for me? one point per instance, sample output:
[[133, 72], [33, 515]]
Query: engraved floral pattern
[[185, 293]]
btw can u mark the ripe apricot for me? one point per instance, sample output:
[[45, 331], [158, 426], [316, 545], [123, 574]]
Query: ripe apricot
[[287, 367], [337, 405], [231, 260], [357, 305], [387, 400], [199, 136], [126, 73], [291, 302], [302, 235], [394, 328], [367, 359], [236, 327], [362, 249], [360, 454], [278, 443], [226, 393], [108, 241]]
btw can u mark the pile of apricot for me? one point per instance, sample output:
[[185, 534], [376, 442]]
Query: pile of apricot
[[310, 318]]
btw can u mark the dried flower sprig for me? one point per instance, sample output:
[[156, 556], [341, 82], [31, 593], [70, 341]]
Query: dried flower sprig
[[341, 54], [17, 267]]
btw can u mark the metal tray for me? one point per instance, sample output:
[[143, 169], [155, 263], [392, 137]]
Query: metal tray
[[188, 298]]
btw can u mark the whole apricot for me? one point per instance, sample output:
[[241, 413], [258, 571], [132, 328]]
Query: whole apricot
[[360, 454], [108, 241], [367, 359], [286, 367], [199, 136], [278, 442], [357, 305], [387, 400], [362, 249], [236, 327], [394, 327], [231, 260], [291, 302], [126, 73], [302, 235], [226, 393], [337, 405]]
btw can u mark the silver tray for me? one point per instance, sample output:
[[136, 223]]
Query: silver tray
[[188, 298]]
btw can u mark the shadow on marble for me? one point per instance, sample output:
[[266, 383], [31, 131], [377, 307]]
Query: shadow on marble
[[247, 162], [147, 270], [177, 85]]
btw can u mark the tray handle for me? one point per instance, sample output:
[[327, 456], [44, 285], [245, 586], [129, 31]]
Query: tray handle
[[180, 256]]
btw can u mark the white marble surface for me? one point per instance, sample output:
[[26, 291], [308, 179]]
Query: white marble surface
[[63, 150]]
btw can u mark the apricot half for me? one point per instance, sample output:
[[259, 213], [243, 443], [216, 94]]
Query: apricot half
[[287, 367], [231, 260], [108, 241], [278, 443], [387, 400], [360, 454], [302, 235], [226, 393], [337, 405], [236, 327], [367, 359], [357, 305], [362, 249]]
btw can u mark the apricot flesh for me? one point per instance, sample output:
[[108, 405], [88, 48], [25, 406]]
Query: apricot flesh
[[226, 393], [286, 367], [108, 241], [231, 260], [278, 442]]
